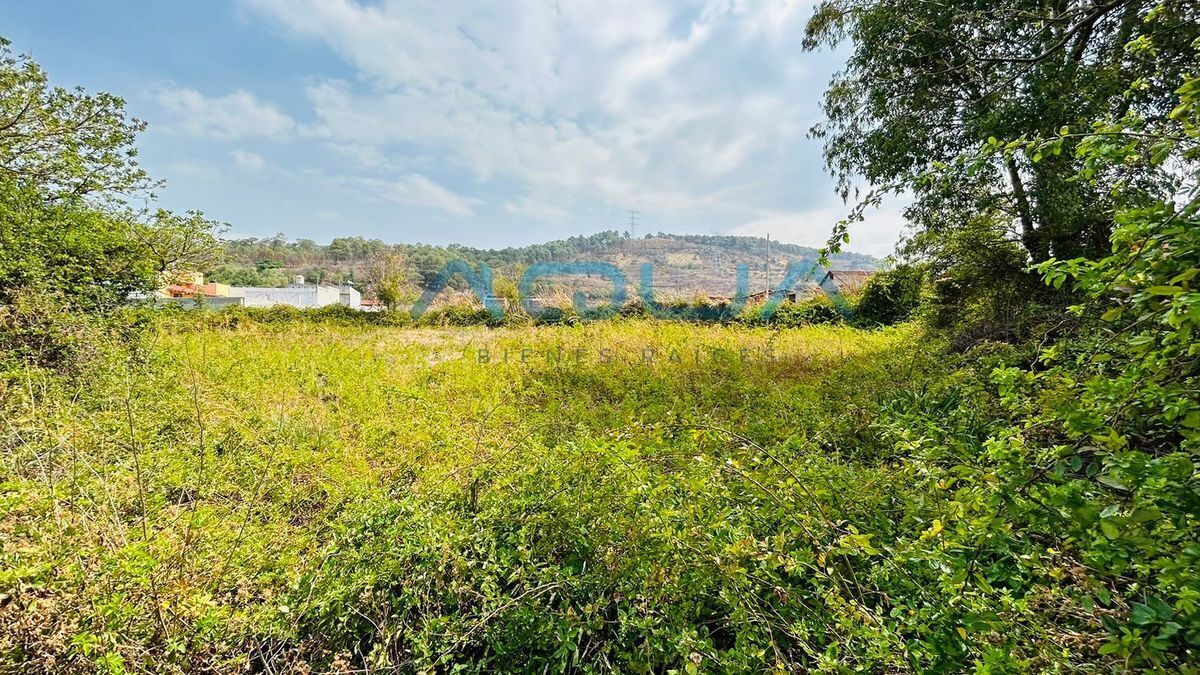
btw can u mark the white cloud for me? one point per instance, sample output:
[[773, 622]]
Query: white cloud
[[770, 18], [238, 114], [538, 209], [636, 102], [193, 171], [876, 235], [360, 155], [420, 191], [692, 111], [248, 160], [410, 189]]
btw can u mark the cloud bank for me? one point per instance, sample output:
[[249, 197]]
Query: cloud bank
[[694, 113]]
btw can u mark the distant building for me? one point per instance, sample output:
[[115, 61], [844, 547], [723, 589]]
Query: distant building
[[834, 281], [190, 291], [299, 294], [349, 296], [845, 281], [198, 301], [785, 296]]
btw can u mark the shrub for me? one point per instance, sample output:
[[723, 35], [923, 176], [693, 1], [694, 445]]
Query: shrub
[[551, 316], [813, 311], [42, 330], [458, 315], [889, 297]]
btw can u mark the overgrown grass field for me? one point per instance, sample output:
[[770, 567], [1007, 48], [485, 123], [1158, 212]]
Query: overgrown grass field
[[621, 496], [529, 497]]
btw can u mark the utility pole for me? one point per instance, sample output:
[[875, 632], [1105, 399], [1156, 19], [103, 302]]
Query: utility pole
[[768, 263], [633, 223]]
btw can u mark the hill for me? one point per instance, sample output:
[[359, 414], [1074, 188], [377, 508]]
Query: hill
[[682, 263]]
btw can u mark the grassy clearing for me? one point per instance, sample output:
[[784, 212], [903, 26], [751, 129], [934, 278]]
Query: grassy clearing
[[333, 498]]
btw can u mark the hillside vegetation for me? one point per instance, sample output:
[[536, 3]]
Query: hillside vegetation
[[683, 264]]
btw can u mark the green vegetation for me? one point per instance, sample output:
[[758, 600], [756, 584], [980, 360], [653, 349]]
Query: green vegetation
[[279, 493], [986, 461], [522, 498], [67, 160], [272, 261]]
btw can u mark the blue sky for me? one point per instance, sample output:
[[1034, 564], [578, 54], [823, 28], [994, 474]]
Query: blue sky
[[487, 124]]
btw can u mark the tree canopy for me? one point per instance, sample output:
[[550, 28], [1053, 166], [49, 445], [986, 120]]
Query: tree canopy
[[68, 171], [928, 81]]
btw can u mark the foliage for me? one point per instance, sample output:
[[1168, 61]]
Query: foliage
[[66, 163], [458, 315], [528, 509], [1126, 399], [242, 275], [926, 83], [815, 310], [38, 330], [517, 499], [91, 257], [1096, 453], [68, 247], [174, 243], [352, 258], [890, 297], [386, 281], [63, 144], [278, 317], [288, 490]]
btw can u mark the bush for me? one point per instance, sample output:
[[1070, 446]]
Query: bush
[[278, 315], [980, 288], [813, 311], [552, 316], [889, 297], [41, 330], [458, 315]]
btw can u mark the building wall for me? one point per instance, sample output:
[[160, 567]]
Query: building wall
[[215, 290], [304, 297], [193, 303], [269, 297], [328, 295], [350, 297]]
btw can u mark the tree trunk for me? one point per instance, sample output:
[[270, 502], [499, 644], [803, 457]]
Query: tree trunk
[[1031, 239]]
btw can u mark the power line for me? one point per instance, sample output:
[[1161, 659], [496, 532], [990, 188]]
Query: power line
[[633, 223]]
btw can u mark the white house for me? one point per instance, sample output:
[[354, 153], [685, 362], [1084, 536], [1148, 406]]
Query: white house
[[299, 294]]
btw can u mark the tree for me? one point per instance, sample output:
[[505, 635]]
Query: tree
[[929, 81], [178, 243], [64, 143], [68, 248], [67, 164], [387, 279]]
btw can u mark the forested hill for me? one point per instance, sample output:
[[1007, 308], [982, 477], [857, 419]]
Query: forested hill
[[699, 263]]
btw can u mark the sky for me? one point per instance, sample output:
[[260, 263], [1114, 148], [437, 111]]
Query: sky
[[484, 124]]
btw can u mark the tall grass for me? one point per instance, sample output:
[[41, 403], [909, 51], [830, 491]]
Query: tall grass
[[625, 496], [622, 496]]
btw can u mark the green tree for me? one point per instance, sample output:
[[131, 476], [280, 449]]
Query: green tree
[[928, 81], [387, 280], [64, 142], [67, 163], [67, 247], [1095, 452]]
